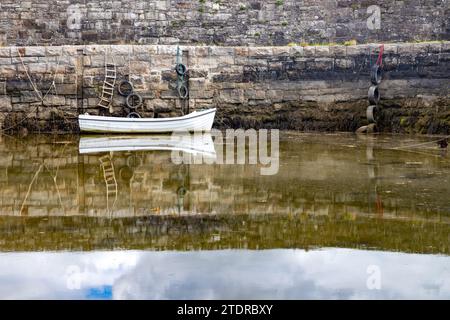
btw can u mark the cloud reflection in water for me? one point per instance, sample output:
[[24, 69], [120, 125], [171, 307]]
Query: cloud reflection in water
[[233, 274]]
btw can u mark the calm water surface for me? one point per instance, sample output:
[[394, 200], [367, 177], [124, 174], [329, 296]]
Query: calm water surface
[[344, 217]]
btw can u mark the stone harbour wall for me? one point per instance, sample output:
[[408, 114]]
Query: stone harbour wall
[[306, 88], [215, 22]]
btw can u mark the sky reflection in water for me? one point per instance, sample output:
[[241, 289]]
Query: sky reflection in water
[[228, 274]]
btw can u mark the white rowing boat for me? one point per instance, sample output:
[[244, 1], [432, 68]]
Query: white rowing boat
[[193, 122]]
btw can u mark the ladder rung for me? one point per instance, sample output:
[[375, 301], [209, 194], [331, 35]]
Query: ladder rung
[[109, 84]]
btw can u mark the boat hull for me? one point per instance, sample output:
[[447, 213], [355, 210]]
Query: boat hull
[[198, 121]]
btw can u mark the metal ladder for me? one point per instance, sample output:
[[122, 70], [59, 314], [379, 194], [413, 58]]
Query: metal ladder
[[110, 179], [108, 86]]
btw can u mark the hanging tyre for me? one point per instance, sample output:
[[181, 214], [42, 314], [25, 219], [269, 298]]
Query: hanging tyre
[[125, 88], [181, 192], [376, 75], [133, 161], [134, 101], [374, 95], [133, 115], [372, 114], [180, 69], [125, 173], [183, 92]]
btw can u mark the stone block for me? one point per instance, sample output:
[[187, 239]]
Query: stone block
[[322, 51], [5, 52], [296, 51], [140, 67], [260, 51], [5, 104], [96, 50], [121, 50], [167, 50], [357, 50], [34, 68], [201, 94], [255, 94], [35, 52], [144, 49], [53, 51], [309, 51], [54, 100], [338, 51], [344, 63], [232, 96]]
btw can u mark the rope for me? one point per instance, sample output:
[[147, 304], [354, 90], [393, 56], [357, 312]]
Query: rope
[[421, 144], [38, 92], [129, 64], [53, 85]]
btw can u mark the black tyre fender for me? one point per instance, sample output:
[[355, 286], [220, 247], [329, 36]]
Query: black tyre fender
[[125, 88], [180, 69], [183, 92], [374, 95], [376, 75], [372, 114], [133, 115], [134, 101]]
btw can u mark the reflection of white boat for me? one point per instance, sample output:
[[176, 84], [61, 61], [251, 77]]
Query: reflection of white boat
[[193, 122], [199, 143]]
